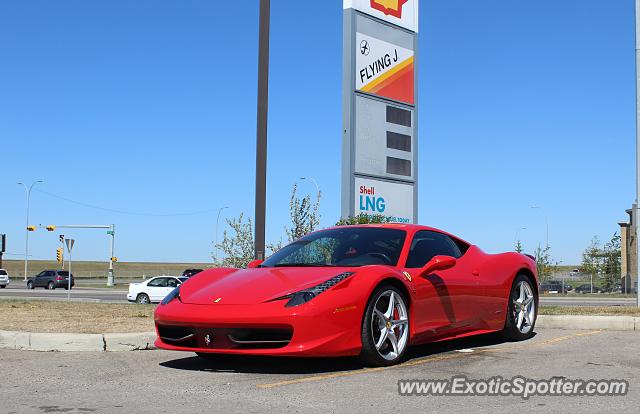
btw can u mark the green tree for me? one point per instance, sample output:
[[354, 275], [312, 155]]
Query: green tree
[[612, 257], [238, 246], [519, 247], [592, 258], [363, 218], [304, 215], [544, 263]]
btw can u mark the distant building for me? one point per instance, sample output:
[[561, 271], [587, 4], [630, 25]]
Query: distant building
[[628, 240]]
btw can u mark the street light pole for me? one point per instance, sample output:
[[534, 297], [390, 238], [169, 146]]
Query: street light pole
[[546, 221], [26, 239], [637, 215], [314, 182], [518, 232], [217, 224]]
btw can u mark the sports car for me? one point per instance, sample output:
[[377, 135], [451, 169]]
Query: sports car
[[369, 291]]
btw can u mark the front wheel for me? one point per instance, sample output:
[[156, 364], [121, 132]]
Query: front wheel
[[29, 285], [385, 327], [522, 310], [143, 299], [3, 286]]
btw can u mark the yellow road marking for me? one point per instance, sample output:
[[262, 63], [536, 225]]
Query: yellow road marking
[[436, 358]]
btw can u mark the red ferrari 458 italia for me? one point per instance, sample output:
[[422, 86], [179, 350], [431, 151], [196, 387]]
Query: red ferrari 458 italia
[[369, 290]]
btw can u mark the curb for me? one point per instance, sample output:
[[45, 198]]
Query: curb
[[111, 342], [609, 323]]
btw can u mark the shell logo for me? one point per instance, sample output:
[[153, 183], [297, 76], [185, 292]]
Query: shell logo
[[389, 7]]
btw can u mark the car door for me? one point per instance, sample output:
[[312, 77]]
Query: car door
[[157, 288], [41, 279], [445, 299]]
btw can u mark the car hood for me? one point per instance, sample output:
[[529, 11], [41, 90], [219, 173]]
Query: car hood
[[258, 285]]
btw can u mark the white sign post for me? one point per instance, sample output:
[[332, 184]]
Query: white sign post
[[69, 243]]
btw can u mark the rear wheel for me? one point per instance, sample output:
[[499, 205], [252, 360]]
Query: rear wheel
[[51, 286], [143, 299], [385, 327], [522, 311]]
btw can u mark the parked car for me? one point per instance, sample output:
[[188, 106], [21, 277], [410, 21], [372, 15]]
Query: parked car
[[50, 279], [191, 272], [352, 290], [586, 288], [4, 278], [553, 286], [153, 290]]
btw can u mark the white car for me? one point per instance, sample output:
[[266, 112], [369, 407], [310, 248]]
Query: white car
[[4, 278], [153, 290]]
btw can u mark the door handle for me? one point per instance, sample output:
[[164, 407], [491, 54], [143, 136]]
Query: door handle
[[475, 272]]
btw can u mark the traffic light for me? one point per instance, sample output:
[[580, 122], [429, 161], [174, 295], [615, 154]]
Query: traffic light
[[114, 259], [51, 228], [31, 228], [59, 254]]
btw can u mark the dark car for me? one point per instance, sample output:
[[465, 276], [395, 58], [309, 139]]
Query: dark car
[[586, 288], [191, 272], [553, 287], [50, 279]]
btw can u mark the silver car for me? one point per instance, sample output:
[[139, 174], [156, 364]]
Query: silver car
[[4, 278]]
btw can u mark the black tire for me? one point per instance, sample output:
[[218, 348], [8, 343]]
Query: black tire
[[51, 286], [3, 286], [511, 331], [143, 299], [29, 285], [370, 354]]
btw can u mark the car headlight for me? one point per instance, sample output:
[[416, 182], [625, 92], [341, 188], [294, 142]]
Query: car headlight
[[304, 296], [175, 293]]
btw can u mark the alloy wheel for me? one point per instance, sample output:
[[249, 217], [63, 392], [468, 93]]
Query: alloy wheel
[[390, 325], [524, 307]]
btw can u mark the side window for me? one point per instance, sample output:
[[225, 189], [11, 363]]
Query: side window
[[159, 282], [427, 244], [172, 283], [50, 273]]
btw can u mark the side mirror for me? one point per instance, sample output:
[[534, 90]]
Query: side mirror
[[438, 263], [255, 263]]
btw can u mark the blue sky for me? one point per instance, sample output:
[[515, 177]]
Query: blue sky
[[149, 107]]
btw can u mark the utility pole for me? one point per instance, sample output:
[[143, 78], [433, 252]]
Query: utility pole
[[637, 206], [110, 277], [3, 246], [261, 139]]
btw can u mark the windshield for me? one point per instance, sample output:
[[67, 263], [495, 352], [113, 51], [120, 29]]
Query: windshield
[[347, 246]]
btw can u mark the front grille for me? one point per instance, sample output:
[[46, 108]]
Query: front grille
[[225, 338]]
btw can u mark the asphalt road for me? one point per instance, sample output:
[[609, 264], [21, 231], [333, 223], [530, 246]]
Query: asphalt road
[[162, 381], [110, 295]]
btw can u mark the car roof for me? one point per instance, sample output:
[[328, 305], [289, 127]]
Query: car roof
[[409, 227]]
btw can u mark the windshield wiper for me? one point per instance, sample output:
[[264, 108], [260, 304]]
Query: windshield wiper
[[304, 265]]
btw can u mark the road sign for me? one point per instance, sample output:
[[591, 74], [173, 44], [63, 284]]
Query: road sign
[[380, 141], [69, 243]]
